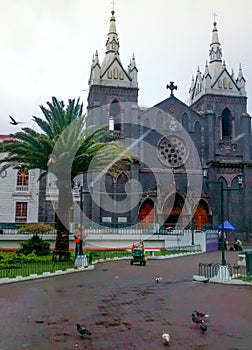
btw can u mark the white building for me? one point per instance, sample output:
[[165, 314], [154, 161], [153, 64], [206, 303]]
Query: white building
[[19, 194]]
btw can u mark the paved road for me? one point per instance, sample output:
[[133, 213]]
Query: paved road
[[125, 309]]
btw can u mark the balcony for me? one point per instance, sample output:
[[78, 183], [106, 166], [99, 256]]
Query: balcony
[[22, 188]]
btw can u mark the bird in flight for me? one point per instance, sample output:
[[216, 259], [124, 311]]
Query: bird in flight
[[13, 121]]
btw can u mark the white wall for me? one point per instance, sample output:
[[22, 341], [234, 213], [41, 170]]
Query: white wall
[[9, 196]]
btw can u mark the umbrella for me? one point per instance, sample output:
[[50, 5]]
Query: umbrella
[[227, 226]]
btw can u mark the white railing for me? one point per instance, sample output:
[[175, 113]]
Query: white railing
[[22, 188]]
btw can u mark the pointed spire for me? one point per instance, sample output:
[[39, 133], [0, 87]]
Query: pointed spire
[[133, 62], [215, 53], [112, 44], [192, 84], [240, 74], [206, 73], [241, 82], [96, 60]]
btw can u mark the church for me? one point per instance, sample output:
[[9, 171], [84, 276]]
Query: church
[[191, 163]]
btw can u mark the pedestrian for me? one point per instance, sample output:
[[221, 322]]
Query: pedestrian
[[77, 246]]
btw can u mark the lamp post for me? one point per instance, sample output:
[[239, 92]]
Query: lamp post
[[81, 208], [222, 189]]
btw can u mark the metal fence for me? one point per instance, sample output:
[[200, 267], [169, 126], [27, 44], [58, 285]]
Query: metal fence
[[210, 270], [26, 269], [113, 228]]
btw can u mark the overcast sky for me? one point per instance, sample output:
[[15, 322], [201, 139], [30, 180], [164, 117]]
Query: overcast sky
[[46, 47]]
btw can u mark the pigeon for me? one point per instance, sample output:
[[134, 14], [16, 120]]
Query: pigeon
[[166, 338], [196, 319], [203, 327], [201, 314], [83, 332], [158, 279]]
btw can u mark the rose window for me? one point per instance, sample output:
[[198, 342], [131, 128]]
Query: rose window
[[172, 151]]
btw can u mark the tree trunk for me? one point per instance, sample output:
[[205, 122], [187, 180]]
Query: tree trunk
[[61, 251]]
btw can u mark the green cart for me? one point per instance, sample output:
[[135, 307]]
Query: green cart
[[138, 256]]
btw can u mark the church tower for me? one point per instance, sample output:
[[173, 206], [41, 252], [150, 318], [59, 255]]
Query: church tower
[[112, 103], [220, 97], [110, 84]]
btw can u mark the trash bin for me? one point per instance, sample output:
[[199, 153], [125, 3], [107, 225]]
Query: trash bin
[[248, 254], [81, 261]]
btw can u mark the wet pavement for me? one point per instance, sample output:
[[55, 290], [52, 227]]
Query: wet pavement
[[125, 308]]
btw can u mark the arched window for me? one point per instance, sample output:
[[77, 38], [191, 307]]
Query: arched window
[[185, 121], [226, 119], [198, 138], [22, 180], [159, 121], [115, 115]]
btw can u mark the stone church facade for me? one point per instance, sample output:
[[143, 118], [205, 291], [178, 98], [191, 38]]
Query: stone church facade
[[173, 144]]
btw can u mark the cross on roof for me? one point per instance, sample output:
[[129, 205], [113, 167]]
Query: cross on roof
[[171, 87], [113, 5]]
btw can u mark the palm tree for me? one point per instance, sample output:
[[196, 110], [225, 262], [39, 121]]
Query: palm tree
[[65, 148]]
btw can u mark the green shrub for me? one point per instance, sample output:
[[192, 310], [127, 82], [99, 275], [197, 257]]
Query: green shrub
[[35, 245]]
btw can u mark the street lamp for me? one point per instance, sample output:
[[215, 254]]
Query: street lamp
[[222, 189]]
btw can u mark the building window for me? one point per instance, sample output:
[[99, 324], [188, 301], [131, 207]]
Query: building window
[[115, 73], [21, 212], [22, 180], [230, 85], [226, 118], [225, 85], [220, 84], [121, 75], [115, 115], [109, 74]]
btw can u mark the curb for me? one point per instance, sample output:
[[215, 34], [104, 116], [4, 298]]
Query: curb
[[7, 280], [200, 279]]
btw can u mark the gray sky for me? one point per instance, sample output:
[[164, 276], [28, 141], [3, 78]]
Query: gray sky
[[46, 47]]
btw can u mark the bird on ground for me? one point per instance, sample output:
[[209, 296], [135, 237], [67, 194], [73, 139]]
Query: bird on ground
[[158, 279], [203, 327], [166, 338], [201, 314], [196, 319], [83, 332], [13, 121]]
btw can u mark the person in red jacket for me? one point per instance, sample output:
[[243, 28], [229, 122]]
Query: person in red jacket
[[78, 241]]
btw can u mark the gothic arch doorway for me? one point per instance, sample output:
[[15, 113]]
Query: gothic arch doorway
[[172, 209], [146, 215], [201, 215]]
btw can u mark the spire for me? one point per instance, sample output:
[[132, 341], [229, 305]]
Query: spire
[[216, 79], [112, 44], [95, 60], [111, 72], [241, 81], [215, 53]]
